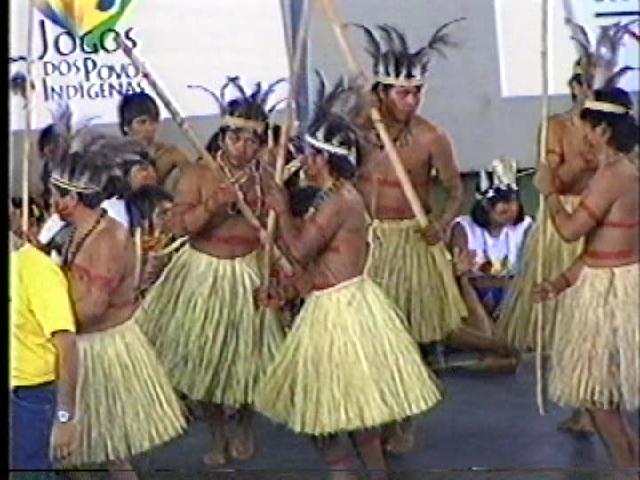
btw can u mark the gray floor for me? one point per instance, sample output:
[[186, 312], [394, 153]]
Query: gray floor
[[486, 422]]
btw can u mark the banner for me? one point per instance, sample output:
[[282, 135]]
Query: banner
[[78, 60], [518, 25]]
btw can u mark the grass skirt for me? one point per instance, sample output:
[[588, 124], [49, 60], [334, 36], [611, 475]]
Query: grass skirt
[[202, 319], [595, 359], [125, 402], [417, 277], [348, 364], [517, 322]]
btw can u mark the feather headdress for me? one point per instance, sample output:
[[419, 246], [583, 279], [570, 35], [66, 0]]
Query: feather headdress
[[598, 64], [248, 110], [394, 63], [331, 127], [501, 175]]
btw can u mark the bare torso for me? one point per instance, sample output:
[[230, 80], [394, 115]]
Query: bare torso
[[616, 239], [117, 287], [345, 254], [568, 154]]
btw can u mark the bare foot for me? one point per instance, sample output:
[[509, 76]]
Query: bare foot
[[215, 458], [578, 423], [399, 442], [241, 444]]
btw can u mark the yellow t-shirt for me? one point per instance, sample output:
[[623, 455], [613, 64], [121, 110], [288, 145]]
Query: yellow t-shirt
[[40, 306]]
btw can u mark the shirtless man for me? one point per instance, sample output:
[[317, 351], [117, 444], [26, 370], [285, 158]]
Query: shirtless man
[[412, 266], [201, 315], [126, 403], [139, 116], [594, 357], [348, 364], [571, 165]]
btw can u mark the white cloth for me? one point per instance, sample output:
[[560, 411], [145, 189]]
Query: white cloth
[[502, 251]]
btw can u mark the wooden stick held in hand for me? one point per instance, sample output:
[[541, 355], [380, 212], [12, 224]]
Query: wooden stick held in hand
[[543, 161], [392, 153], [295, 67]]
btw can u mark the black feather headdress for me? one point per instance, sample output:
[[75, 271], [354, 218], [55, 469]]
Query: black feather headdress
[[250, 110], [332, 128], [394, 63], [597, 64]]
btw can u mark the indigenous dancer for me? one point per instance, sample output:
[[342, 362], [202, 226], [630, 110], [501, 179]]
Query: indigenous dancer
[[572, 167], [200, 315], [487, 248], [348, 364], [594, 356], [125, 401], [139, 116], [412, 266]]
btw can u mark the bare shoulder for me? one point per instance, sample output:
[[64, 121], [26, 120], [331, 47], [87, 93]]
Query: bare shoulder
[[113, 236], [198, 173], [428, 129], [352, 201]]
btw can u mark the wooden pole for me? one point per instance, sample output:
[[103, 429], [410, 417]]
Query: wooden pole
[[295, 68], [29, 120], [214, 162], [392, 153], [543, 162]]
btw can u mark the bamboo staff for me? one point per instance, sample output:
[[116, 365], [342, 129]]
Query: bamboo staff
[[29, 119], [392, 153], [543, 162], [295, 67], [214, 162]]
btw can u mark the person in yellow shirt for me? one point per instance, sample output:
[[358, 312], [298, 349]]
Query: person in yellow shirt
[[43, 355]]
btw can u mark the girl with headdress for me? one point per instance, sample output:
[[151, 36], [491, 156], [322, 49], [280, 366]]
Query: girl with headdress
[[594, 352], [200, 315], [572, 164], [410, 263], [125, 402], [487, 248], [348, 364], [139, 117]]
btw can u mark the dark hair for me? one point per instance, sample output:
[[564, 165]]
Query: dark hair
[[481, 209], [624, 126], [134, 105], [48, 136], [143, 202], [339, 165], [36, 211], [302, 198]]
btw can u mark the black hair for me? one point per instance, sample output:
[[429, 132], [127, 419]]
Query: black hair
[[48, 136], [89, 200], [143, 202], [302, 199], [134, 105], [36, 210], [481, 209], [624, 126]]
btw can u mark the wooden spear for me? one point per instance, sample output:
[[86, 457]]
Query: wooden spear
[[542, 152], [29, 119], [214, 162], [295, 68], [392, 153]]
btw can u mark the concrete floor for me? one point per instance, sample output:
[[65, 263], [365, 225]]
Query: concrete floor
[[486, 428]]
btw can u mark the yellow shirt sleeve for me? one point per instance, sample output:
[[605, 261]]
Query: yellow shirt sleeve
[[49, 298]]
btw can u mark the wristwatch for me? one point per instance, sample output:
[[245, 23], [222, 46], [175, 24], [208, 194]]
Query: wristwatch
[[62, 416]]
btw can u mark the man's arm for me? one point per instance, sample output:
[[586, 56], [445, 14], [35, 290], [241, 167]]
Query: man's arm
[[65, 342], [196, 204], [593, 206], [304, 243], [445, 161]]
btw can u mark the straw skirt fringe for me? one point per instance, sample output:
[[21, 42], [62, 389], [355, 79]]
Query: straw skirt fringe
[[210, 337], [125, 402], [417, 277], [517, 322], [595, 359], [348, 364]]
